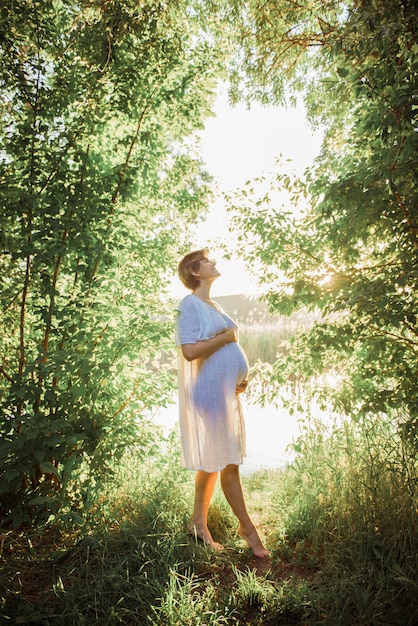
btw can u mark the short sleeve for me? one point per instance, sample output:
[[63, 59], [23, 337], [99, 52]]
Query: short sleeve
[[187, 326]]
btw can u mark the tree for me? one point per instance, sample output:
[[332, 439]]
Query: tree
[[97, 180], [276, 45], [353, 252]]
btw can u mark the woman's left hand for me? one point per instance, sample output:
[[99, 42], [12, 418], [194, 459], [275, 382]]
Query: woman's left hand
[[241, 387]]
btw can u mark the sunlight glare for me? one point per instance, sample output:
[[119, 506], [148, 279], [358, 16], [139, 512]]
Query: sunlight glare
[[240, 144]]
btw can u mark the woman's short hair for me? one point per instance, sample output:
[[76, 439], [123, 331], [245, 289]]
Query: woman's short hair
[[188, 264]]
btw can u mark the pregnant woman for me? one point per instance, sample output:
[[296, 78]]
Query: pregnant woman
[[213, 371]]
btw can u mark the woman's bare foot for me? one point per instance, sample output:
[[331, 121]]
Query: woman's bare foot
[[204, 535], [254, 541]]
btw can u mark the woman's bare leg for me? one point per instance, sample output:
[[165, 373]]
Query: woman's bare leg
[[231, 486], [204, 486]]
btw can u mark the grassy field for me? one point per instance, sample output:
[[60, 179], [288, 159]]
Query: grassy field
[[341, 523]]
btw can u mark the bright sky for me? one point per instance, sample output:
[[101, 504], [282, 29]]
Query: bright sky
[[238, 145]]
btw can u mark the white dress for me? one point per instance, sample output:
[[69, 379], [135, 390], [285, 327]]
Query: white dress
[[211, 420]]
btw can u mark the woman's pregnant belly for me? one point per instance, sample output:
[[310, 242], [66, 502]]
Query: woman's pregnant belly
[[237, 361], [218, 377]]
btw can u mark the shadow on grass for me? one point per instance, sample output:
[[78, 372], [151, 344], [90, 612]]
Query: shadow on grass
[[139, 566]]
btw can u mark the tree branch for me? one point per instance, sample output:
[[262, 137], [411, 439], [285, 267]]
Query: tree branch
[[5, 374]]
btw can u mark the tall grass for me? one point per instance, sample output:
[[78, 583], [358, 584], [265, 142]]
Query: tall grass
[[341, 523], [350, 505], [262, 336], [265, 342]]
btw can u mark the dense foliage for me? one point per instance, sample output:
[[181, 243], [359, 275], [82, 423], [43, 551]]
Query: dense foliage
[[97, 180], [349, 246]]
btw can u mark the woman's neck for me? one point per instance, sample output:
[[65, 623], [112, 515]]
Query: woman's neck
[[202, 291]]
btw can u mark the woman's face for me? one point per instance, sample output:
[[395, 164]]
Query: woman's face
[[208, 270]]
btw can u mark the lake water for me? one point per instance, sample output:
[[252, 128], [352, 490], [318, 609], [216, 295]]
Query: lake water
[[269, 430]]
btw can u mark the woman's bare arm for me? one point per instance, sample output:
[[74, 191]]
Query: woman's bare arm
[[192, 351]]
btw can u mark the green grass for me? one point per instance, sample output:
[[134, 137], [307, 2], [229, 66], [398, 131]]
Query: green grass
[[265, 342], [341, 524]]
